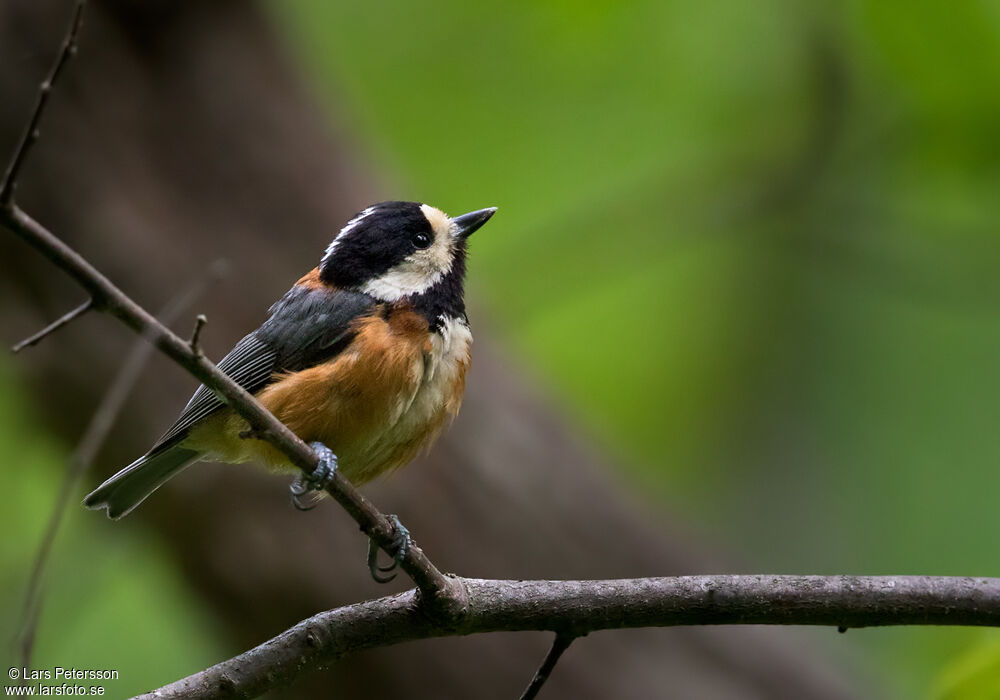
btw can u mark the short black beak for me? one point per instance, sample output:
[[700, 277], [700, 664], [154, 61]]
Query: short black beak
[[467, 224]]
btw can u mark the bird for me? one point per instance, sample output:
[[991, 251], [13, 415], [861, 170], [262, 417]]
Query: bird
[[364, 358]]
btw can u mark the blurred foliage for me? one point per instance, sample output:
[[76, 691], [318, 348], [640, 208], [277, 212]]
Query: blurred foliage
[[95, 575], [975, 675], [751, 245]]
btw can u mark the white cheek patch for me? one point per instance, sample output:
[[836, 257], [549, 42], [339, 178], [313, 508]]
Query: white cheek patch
[[438, 220], [398, 283], [422, 269], [348, 227]]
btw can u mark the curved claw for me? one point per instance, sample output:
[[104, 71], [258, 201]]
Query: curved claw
[[401, 542], [300, 488], [314, 484], [374, 568]]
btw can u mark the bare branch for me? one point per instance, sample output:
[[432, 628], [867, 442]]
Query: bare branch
[[54, 326], [86, 451], [9, 183], [194, 344], [577, 607], [559, 645], [435, 587], [442, 596]]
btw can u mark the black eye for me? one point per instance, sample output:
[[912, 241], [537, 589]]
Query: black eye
[[421, 240]]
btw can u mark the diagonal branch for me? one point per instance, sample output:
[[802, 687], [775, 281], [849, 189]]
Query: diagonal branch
[[440, 595], [559, 645], [437, 590], [68, 317], [578, 607], [31, 133], [86, 450]]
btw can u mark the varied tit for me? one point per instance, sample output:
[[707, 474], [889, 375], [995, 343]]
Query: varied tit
[[364, 357]]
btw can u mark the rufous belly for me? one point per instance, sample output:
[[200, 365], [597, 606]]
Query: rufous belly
[[376, 404]]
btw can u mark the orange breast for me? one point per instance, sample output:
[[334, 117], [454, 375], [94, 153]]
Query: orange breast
[[375, 405]]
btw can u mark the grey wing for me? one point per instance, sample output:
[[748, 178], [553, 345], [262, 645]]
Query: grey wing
[[306, 327], [250, 364]]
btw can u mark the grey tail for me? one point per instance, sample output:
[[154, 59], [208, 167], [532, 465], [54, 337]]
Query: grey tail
[[130, 487]]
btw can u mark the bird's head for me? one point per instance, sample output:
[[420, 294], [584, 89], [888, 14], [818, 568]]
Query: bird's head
[[394, 250]]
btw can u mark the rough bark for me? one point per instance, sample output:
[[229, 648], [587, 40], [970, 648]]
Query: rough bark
[[576, 608]]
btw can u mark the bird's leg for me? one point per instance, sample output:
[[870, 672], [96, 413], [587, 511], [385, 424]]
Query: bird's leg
[[317, 482], [401, 543], [314, 484]]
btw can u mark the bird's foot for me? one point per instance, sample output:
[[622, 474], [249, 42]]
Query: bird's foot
[[401, 543], [307, 491]]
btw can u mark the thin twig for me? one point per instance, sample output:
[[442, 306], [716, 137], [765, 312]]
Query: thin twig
[[90, 444], [559, 645], [578, 607], [55, 325], [31, 133], [194, 343]]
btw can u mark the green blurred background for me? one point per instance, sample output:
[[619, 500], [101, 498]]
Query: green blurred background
[[749, 246]]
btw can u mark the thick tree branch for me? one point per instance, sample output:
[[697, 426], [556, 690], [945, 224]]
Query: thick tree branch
[[573, 608]]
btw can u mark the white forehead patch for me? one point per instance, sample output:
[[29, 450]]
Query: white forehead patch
[[438, 220], [348, 227], [422, 269]]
